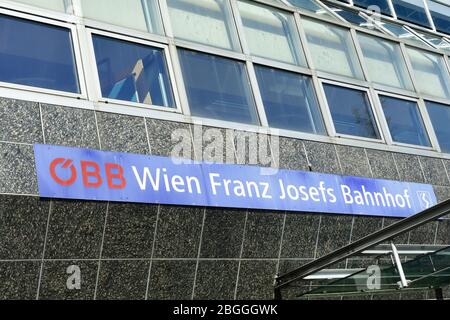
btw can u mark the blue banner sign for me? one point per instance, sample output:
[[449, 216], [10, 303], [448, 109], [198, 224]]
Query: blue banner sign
[[73, 173]]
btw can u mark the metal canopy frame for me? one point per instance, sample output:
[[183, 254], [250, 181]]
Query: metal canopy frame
[[361, 245]]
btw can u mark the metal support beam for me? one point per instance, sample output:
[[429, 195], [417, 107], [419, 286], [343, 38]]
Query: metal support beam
[[398, 264], [365, 243]]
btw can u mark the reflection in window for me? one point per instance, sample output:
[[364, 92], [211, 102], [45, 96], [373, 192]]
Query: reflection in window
[[37, 55], [132, 72], [440, 15], [271, 33], [411, 11], [135, 14], [351, 112], [430, 72], [57, 5], [384, 62], [332, 49], [289, 100], [203, 21], [309, 5], [348, 15], [382, 4], [440, 118], [404, 121], [217, 87], [401, 33]]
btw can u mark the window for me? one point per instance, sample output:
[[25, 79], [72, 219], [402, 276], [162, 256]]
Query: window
[[401, 33], [382, 4], [203, 21], [217, 87], [271, 33], [332, 49], [57, 5], [141, 15], [309, 5], [385, 62], [440, 118], [289, 100], [411, 11], [37, 54], [348, 15], [404, 121], [430, 73], [441, 16], [351, 112], [132, 72]]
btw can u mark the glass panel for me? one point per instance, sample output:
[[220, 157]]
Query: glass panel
[[132, 72], [385, 62], [57, 5], [382, 4], [37, 54], [289, 100], [271, 33], [351, 112], [217, 87], [135, 14], [441, 16], [436, 41], [440, 117], [430, 72], [310, 5], [350, 16], [411, 11], [203, 21], [404, 121], [332, 49]]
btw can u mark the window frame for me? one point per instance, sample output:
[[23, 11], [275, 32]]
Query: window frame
[[78, 62], [97, 92], [329, 119], [422, 113]]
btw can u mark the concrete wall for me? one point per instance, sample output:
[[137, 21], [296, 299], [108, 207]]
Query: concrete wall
[[129, 251]]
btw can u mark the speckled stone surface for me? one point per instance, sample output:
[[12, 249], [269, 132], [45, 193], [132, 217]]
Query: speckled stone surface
[[75, 230], [353, 161], [263, 235], [160, 137], [402, 239], [300, 235], [255, 149], [409, 167], [17, 169], [55, 277], [123, 280], [23, 221], [434, 171], [382, 164], [20, 121], [19, 280], [334, 233], [443, 233], [256, 279], [322, 157], [69, 127], [424, 234], [442, 193], [172, 280], [292, 155], [364, 226], [129, 231], [222, 233], [122, 133], [213, 144], [178, 233], [216, 280]]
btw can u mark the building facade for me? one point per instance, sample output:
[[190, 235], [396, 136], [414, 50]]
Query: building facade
[[355, 88]]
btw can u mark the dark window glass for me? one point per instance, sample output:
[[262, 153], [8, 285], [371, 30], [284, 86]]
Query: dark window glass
[[351, 112], [37, 55], [440, 117], [440, 15], [404, 121], [382, 4], [217, 87], [132, 72], [289, 100], [349, 15], [411, 11]]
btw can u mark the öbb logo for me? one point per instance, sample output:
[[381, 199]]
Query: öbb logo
[[91, 174]]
